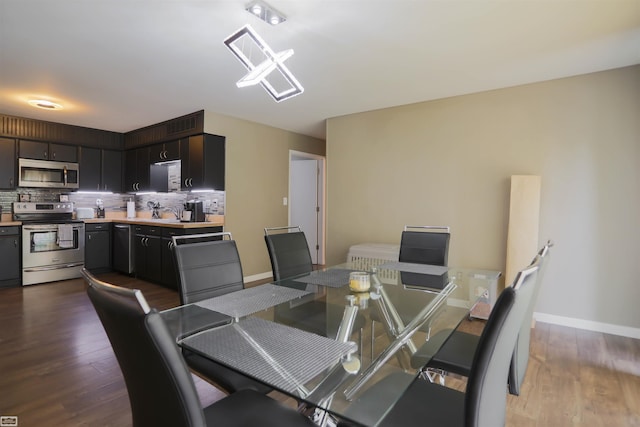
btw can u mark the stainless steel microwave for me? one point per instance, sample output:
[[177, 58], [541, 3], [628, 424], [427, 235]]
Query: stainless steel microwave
[[47, 174]]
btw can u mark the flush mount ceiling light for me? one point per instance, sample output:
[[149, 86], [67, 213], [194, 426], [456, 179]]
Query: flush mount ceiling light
[[44, 104], [265, 12], [265, 66]]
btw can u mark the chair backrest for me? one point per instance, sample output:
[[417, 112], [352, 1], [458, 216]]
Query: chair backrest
[[161, 390], [520, 358], [486, 394], [428, 246], [288, 252], [206, 268]]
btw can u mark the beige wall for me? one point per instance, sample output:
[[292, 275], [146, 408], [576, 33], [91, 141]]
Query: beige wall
[[448, 162], [257, 178]]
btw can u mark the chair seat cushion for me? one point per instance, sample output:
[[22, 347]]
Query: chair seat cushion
[[455, 356], [248, 408], [422, 403], [228, 379], [429, 404]]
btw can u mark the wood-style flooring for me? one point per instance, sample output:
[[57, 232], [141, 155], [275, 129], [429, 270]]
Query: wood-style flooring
[[57, 367]]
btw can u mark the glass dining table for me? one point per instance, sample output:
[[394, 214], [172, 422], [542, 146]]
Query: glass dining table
[[316, 339]]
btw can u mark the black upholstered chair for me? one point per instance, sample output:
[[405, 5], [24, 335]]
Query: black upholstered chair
[[421, 244], [483, 404], [290, 257], [161, 389], [288, 252], [456, 355], [208, 267], [425, 244]]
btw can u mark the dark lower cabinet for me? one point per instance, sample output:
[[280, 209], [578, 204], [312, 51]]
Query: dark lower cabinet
[[10, 255], [97, 247], [148, 253], [169, 272]]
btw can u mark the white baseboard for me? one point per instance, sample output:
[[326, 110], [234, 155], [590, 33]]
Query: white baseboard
[[259, 276], [589, 325]]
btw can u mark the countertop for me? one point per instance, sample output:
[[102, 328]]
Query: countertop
[[215, 221], [173, 223]]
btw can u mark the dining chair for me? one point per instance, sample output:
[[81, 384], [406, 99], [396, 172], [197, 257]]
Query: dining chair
[[288, 251], [456, 354], [208, 265], [160, 387], [425, 244], [420, 244], [290, 257], [483, 403]]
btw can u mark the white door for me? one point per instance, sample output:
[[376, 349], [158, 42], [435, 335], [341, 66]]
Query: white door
[[306, 201]]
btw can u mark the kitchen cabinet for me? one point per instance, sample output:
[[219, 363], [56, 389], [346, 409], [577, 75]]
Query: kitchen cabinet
[[203, 162], [164, 152], [97, 247], [147, 249], [7, 164], [137, 169], [111, 170], [10, 255], [169, 273], [100, 170], [48, 151]]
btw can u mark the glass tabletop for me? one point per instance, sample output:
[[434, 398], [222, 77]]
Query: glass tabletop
[[314, 338]]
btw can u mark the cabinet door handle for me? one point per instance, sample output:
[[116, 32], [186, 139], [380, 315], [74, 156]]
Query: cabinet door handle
[[15, 243], [45, 154], [89, 236]]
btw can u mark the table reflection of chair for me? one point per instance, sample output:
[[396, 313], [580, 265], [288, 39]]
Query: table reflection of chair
[[160, 387], [483, 403], [456, 355], [207, 267]]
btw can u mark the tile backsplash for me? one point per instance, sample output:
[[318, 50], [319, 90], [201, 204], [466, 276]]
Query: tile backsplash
[[214, 202]]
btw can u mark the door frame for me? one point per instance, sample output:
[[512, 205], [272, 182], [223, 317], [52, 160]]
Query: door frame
[[322, 185]]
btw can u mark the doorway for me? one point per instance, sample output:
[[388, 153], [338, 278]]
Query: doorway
[[307, 199]]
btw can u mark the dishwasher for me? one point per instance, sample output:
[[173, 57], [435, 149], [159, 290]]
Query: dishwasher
[[123, 256]]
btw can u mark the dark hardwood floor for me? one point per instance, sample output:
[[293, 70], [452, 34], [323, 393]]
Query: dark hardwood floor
[[57, 367]]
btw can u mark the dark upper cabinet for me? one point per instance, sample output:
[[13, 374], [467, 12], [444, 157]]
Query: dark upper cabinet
[[89, 174], [100, 170], [203, 162], [137, 169], [7, 163], [111, 170], [48, 151], [164, 152]]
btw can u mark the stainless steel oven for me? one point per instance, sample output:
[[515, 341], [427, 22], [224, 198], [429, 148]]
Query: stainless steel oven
[[52, 243]]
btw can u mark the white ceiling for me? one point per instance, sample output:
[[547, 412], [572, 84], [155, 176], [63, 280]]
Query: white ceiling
[[124, 64]]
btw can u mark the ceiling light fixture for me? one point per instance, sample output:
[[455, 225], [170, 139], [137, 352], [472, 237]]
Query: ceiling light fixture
[[265, 12], [44, 104], [268, 70]]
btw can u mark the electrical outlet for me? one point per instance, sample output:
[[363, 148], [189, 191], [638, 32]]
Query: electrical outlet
[[285, 201]]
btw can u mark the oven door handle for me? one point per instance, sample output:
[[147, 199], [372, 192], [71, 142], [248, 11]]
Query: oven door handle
[[54, 267], [47, 227]]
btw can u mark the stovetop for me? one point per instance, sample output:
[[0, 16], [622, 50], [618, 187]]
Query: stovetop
[[43, 211]]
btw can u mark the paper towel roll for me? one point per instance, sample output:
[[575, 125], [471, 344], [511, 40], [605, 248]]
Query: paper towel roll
[[131, 209]]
